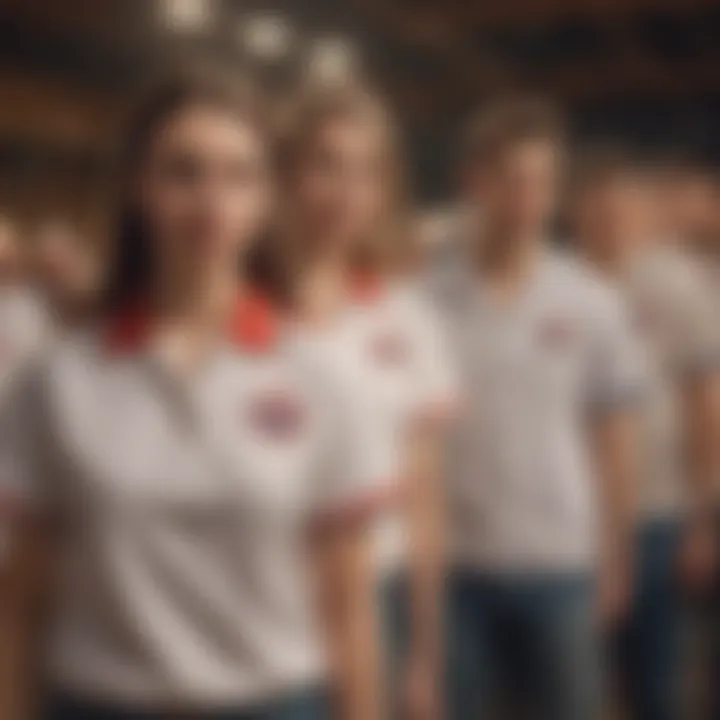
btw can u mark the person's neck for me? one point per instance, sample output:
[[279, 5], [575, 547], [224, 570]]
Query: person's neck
[[322, 288], [199, 305], [506, 259], [619, 256]]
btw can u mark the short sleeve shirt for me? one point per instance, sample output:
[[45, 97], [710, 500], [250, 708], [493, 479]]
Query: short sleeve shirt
[[519, 474], [676, 319], [183, 508], [390, 347]]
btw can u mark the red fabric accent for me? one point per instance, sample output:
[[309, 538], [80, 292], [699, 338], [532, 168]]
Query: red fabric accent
[[364, 508], [254, 325]]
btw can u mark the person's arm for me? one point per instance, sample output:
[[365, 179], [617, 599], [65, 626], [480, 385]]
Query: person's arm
[[702, 443], [355, 484], [617, 385], [348, 607], [25, 575], [615, 441], [424, 504], [694, 344]]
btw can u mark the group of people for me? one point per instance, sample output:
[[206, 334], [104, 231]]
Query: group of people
[[279, 460]]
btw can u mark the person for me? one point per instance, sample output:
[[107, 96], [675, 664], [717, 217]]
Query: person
[[347, 251], [673, 319], [23, 324], [540, 465], [190, 494]]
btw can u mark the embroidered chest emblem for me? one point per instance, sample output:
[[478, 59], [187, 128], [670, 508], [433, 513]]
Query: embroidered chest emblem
[[557, 333], [277, 414], [390, 349]]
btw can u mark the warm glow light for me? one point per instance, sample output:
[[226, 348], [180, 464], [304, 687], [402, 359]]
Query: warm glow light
[[268, 37], [332, 60], [186, 15]]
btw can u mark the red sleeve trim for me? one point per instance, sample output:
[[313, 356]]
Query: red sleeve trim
[[438, 412], [363, 508]]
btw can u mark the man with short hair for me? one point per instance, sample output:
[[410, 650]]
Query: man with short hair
[[540, 470], [673, 318]]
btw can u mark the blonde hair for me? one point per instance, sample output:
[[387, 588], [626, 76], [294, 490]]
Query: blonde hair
[[388, 249]]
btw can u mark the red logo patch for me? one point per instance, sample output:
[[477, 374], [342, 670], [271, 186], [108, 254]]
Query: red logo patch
[[279, 415], [558, 332], [647, 320], [390, 349]]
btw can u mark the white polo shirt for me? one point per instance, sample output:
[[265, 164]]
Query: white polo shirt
[[677, 320], [184, 509], [390, 347], [520, 479]]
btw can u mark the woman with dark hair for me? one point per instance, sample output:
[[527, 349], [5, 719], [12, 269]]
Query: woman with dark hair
[[203, 490], [348, 253]]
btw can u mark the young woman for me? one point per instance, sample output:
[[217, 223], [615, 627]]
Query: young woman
[[202, 491], [347, 254]]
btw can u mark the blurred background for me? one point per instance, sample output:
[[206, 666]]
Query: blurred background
[[645, 71]]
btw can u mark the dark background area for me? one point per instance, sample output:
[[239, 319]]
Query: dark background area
[[644, 71]]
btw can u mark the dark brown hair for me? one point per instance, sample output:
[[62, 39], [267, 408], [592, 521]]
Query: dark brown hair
[[505, 122], [130, 269]]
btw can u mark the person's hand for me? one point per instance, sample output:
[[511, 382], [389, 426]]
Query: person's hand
[[420, 698], [615, 588], [698, 556]]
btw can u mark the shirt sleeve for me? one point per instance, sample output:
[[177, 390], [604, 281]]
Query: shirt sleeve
[[358, 470], [616, 363], [436, 378], [695, 341]]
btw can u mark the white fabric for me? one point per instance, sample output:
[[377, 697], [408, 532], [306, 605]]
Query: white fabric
[[391, 350], [185, 507], [679, 323], [520, 482]]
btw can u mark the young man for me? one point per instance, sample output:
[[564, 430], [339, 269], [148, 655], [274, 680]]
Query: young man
[[674, 321], [540, 470]]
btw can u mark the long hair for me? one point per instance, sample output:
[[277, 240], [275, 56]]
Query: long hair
[[131, 264], [389, 248]]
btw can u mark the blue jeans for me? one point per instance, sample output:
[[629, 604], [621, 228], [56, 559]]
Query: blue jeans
[[649, 654], [305, 706], [525, 641]]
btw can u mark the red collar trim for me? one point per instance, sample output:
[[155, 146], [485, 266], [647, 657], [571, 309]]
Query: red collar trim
[[254, 326]]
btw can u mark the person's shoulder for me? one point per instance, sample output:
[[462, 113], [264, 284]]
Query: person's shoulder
[[676, 273], [583, 286], [574, 273]]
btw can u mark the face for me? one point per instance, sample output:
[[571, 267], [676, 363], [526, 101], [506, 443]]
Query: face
[[613, 214], [341, 189], [204, 190], [517, 190]]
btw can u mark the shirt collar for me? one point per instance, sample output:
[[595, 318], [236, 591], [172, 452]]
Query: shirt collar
[[253, 326]]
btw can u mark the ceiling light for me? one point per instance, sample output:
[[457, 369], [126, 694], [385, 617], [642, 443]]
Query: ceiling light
[[267, 36], [186, 15], [332, 60]]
